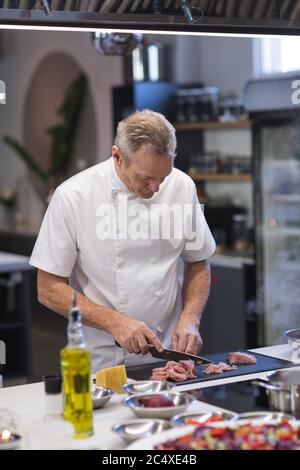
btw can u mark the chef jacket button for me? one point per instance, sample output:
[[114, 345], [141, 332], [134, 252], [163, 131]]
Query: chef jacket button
[[158, 293], [153, 260], [159, 329]]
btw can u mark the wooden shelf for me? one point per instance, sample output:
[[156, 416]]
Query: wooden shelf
[[189, 126], [220, 177]]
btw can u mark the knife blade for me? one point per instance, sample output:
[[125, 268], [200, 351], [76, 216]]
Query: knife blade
[[171, 355]]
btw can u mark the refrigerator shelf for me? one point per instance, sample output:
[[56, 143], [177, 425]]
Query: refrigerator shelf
[[283, 231], [288, 267], [285, 197], [283, 162]]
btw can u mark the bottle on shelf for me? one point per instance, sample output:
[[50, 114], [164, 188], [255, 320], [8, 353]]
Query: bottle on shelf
[[240, 235], [202, 194], [76, 374]]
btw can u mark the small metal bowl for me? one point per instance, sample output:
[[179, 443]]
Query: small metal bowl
[[100, 396], [181, 402], [130, 431], [201, 418], [263, 415], [293, 337], [147, 386]]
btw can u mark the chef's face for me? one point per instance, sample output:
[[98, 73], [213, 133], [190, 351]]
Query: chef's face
[[143, 173]]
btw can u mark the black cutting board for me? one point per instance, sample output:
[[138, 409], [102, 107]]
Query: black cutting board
[[264, 363]]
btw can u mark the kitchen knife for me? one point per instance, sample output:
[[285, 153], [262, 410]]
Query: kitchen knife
[[171, 355]]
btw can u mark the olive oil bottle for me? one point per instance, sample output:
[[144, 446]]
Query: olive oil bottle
[[76, 374]]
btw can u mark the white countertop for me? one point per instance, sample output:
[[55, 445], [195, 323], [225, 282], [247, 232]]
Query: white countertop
[[28, 402], [232, 261], [10, 262]]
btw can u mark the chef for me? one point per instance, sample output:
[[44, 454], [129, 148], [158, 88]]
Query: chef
[[130, 236]]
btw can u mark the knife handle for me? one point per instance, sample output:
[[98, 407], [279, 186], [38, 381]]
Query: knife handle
[[154, 351]]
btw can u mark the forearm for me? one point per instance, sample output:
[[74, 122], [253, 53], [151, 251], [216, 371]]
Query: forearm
[[133, 335], [196, 287], [56, 295]]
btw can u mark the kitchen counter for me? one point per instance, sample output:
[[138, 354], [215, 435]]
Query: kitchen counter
[[28, 402], [11, 263], [21, 229], [232, 260]]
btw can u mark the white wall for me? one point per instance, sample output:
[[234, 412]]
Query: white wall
[[223, 62], [226, 63], [21, 52], [188, 59]]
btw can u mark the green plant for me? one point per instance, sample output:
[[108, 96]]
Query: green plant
[[62, 135]]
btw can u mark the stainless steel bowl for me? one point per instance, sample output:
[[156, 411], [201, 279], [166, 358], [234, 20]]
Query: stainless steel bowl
[[181, 402], [100, 396], [201, 418], [147, 386], [283, 389], [263, 415], [130, 431], [293, 339]]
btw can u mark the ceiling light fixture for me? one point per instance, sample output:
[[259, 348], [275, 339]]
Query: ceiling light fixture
[[115, 43], [157, 7], [46, 7], [188, 12], [185, 7]]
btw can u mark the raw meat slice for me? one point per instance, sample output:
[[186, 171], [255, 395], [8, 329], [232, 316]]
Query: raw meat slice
[[217, 368], [241, 358], [175, 371], [190, 367]]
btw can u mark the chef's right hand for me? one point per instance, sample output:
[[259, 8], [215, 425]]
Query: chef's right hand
[[134, 336]]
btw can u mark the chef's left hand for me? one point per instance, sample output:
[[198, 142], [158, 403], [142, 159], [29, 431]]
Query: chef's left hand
[[186, 338]]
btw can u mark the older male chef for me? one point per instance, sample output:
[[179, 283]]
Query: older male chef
[[93, 238]]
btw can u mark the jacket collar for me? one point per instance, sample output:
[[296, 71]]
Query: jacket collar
[[117, 183]]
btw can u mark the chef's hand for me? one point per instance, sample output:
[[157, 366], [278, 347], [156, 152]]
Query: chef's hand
[[186, 338], [134, 336]]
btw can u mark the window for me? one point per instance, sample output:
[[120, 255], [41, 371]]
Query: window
[[277, 55]]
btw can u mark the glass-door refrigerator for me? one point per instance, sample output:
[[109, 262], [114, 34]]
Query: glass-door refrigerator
[[272, 103]]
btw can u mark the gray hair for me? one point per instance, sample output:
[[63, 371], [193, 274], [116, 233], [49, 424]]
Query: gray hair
[[147, 129]]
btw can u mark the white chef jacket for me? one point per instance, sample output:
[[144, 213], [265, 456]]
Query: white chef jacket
[[139, 278]]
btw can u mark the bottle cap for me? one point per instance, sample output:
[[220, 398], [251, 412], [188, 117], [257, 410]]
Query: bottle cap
[[52, 384], [75, 314]]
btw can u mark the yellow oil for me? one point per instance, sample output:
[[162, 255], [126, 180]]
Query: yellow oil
[[76, 373]]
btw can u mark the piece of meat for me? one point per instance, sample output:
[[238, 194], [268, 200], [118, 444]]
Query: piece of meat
[[177, 376], [166, 367], [241, 358], [175, 371], [190, 367], [217, 368], [157, 376]]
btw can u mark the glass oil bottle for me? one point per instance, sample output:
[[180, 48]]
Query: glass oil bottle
[[76, 374]]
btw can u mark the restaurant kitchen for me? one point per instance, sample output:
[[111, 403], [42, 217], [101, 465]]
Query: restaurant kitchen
[[230, 102]]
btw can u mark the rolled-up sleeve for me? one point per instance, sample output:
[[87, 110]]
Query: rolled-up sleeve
[[55, 250]]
